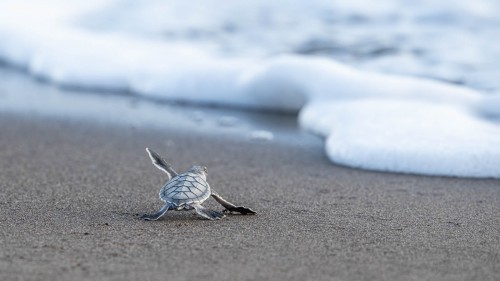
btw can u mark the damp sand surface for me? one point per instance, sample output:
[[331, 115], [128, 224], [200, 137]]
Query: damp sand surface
[[72, 191]]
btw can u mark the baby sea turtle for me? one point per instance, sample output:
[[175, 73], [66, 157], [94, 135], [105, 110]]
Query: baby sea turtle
[[187, 191]]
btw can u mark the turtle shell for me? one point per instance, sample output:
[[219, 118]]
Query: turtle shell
[[185, 189]]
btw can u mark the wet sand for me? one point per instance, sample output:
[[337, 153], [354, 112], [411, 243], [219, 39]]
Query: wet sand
[[72, 192]]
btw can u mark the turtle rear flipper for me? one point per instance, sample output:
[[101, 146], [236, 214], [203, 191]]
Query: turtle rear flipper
[[230, 207], [207, 213], [157, 215], [161, 163]]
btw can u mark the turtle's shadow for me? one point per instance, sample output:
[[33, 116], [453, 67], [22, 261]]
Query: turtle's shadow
[[183, 216]]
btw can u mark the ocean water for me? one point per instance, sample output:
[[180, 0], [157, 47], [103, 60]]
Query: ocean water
[[392, 86]]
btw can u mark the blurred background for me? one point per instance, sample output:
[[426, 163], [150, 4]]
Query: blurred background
[[446, 40], [228, 54]]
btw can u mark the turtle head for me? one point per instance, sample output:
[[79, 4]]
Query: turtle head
[[202, 170]]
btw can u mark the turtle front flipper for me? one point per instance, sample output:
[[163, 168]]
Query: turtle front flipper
[[230, 207], [161, 163], [159, 214], [207, 213]]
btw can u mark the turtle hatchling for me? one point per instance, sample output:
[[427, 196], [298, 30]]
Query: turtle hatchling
[[188, 190]]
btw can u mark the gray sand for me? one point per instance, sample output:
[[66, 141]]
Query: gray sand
[[72, 192]]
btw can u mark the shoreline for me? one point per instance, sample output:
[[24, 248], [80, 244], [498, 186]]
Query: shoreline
[[75, 179]]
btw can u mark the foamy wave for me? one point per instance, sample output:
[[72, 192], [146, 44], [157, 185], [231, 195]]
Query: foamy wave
[[373, 121]]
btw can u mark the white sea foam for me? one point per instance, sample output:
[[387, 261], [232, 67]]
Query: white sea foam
[[370, 120], [406, 136]]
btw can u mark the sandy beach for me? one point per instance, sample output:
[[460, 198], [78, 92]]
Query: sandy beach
[[292, 105], [73, 191]]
